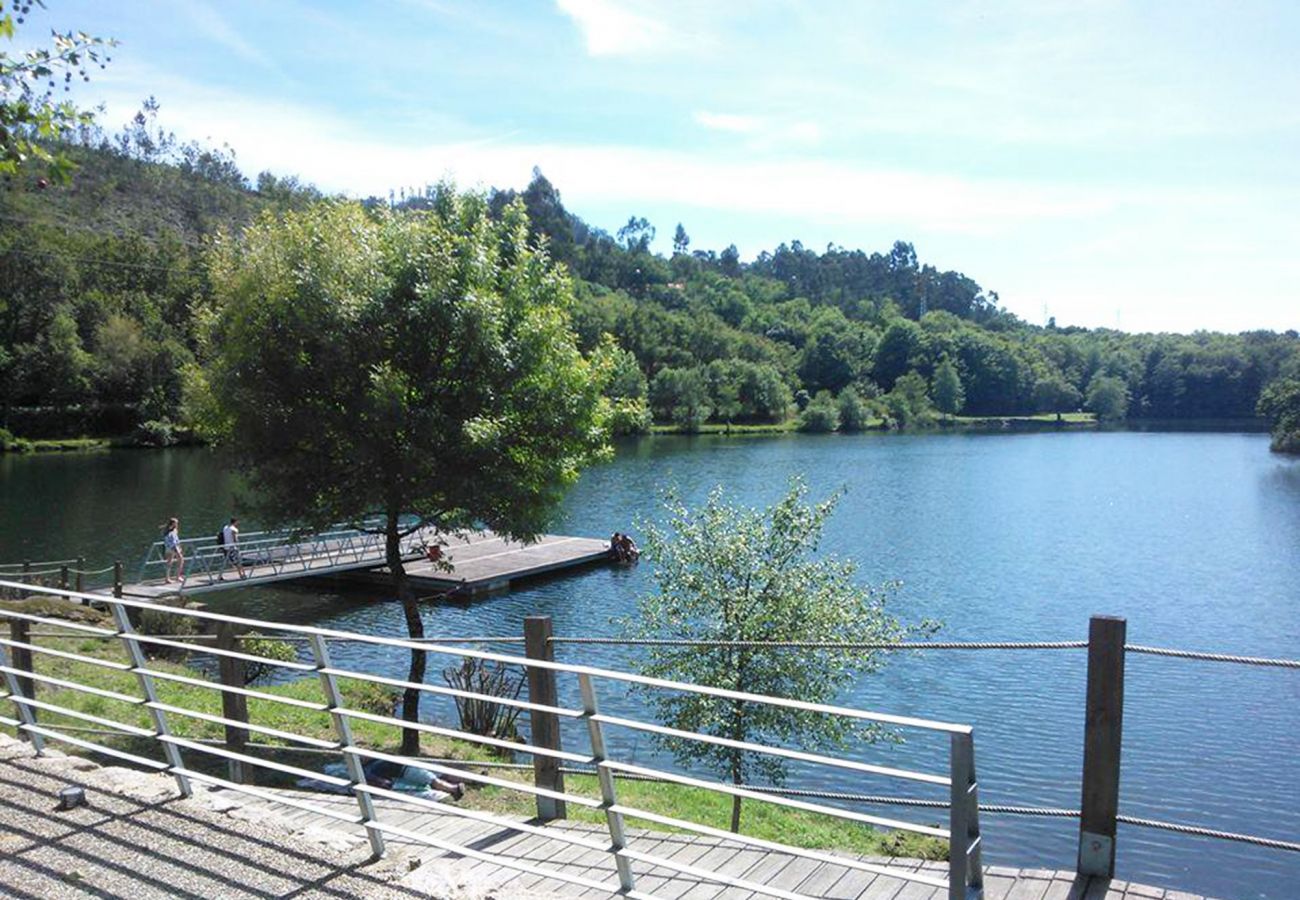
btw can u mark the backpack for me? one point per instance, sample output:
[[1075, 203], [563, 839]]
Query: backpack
[[221, 537]]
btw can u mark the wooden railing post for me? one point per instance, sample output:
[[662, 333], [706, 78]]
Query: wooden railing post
[[63, 577], [1102, 738], [117, 579], [20, 633], [81, 575], [545, 726], [233, 706]]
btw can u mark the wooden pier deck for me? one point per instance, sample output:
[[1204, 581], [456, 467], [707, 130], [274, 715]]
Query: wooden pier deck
[[481, 563], [489, 562], [136, 837], [798, 875]]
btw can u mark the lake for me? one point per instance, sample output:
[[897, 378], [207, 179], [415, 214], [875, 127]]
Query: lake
[[1193, 537]]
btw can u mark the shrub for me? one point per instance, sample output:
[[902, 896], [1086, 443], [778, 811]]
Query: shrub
[[155, 433], [158, 623], [9, 443], [822, 415], [629, 415], [482, 716], [272, 649], [855, 415]]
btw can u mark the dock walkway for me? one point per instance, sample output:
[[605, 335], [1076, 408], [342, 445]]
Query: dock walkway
[[488, 562], [481, 563], [136, 838]]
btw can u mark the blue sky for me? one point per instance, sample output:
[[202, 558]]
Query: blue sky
[[1110, 163]]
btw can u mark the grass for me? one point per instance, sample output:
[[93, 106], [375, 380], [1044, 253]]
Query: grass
[[723, 428], [1070, 418], [795, 827]]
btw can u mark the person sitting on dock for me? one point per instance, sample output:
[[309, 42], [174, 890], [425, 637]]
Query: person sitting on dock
[[230, 542], [627, 550], [172, 552], [615, 547]]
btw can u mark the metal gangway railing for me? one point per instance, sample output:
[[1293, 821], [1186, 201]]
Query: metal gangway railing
[[625, 855], [276, 555]]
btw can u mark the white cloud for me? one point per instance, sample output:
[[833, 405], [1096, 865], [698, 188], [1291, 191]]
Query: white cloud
[[217, 29], [729, 122], [614, 30], [764, 133]]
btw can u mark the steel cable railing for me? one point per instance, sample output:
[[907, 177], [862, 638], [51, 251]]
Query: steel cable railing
[[962, 833]]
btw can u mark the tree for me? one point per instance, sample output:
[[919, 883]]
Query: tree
[[681, 240], [1108, 397], [415, 367], [1280, 404], [822, 415], [636, 235], [949, 396], [855, 415], [29, 116], [909, 402], [681, 396], [1054, 394], [728, 573]]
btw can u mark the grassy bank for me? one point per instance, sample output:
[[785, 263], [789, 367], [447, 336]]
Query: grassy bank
[[1042, 419], [759, 819]]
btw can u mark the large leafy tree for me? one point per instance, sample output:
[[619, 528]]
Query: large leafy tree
[[727, 573], [415, 367]]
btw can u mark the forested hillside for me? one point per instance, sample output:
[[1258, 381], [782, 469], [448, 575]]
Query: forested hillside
[[100, 279]]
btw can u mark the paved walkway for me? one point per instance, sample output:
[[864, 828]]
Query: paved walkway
[[136, 839]]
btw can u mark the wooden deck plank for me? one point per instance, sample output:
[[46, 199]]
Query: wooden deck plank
[[785, 871], [485, 562]]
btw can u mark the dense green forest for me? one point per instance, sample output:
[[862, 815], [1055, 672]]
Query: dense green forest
[[102, 278]]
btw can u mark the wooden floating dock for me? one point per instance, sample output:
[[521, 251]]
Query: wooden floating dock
[[483, 562], [488, 562]]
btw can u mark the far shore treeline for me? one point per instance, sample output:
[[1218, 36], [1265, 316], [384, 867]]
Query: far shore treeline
[[103, 278]]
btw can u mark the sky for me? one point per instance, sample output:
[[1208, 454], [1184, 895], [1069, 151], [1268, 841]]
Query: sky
[[1116, 164]]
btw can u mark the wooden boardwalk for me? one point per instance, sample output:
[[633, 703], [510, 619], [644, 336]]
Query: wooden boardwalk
[[488, 562], [484, 562], [773, 869]]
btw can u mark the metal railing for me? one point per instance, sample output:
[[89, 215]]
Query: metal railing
[[964, 880], [278, 554]]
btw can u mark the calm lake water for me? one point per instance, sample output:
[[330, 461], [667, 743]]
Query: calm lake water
[[1195, 538]]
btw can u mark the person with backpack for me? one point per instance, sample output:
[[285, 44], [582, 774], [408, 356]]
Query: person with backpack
[[228, 538]]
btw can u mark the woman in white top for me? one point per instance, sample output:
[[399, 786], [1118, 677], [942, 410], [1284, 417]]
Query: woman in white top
[[172, 552]]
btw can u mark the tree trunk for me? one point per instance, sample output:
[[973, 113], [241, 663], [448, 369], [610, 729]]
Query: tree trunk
[[415, 628], [737, 758]]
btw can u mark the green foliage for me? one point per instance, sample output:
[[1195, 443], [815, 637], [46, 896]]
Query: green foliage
[[1108, 398], [272, 650], [1280, 404], [681, 396], [467, 403], [30, 118], [822, 415], [909, 402], [11, 444], [949, 395], [1053, 394], [628, 416], [155, 433], [106, 296], [854, 413], [727, 573], [157, 622]]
